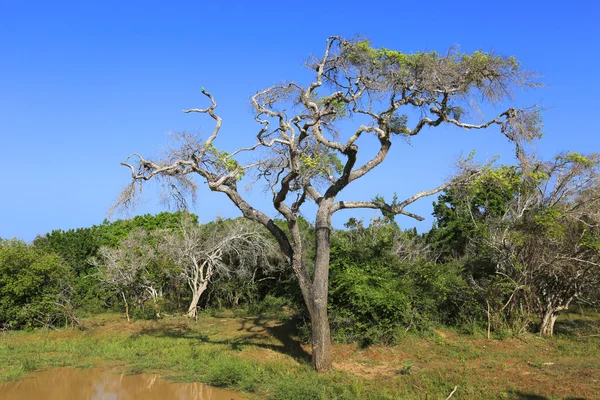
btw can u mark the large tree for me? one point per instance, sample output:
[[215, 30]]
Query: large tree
[[306, 151]]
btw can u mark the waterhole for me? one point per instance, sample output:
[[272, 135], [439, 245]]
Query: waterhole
[[102, 384]]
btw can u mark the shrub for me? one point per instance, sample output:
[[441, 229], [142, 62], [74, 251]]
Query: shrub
[[232, 372]]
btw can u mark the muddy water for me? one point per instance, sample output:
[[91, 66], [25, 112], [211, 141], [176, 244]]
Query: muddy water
[[100, 384]]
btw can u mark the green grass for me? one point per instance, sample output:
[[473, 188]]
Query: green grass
[[258, 357]]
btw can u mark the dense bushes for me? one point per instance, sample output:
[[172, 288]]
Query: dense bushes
[[486, 263], [35, 288], [378, 291]]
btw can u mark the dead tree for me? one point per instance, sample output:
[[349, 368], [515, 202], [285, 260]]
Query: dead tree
[[125, 269], [202, 254], [303, 154]]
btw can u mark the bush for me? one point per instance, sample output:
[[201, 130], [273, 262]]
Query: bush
[[375, 297], [149, 311], [34, 286], [270, 305], [233, 372], [294, 389]]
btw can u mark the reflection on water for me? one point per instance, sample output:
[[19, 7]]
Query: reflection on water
[[100, 384]]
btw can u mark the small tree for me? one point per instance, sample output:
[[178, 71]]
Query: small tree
[[205, 253], [128, 268], [548, 240], [302, 155]]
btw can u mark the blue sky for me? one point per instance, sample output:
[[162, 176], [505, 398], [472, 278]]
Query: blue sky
[[84, 84]]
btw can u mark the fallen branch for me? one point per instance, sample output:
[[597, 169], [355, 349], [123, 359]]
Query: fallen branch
[[450, 395]]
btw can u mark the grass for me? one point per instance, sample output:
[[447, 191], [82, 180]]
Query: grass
[[260, 357]]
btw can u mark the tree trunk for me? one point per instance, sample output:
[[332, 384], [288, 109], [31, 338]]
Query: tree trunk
[[321, 336], [126, 307], [548, 320], [550, 314], [191, 312]]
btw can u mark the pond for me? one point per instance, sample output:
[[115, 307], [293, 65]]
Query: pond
[[103, 384]]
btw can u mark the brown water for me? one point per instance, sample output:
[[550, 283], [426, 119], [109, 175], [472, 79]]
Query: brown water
[[101, 384]]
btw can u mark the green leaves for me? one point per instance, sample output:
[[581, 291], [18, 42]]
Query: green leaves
[[31, 284], [317, 160], [575, 157], [224, 162]]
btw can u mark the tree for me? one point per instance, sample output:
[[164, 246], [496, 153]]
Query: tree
[[34, 287], [461, 233], [205, 253], [548, 240], [305, 157], [78, 246], [461, 212], [128, 267]]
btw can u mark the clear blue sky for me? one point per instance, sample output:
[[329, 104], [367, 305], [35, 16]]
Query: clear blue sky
[[84, 84]]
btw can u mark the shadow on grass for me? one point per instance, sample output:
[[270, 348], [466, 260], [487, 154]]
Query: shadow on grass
[[579, 322], [577, 327], [257, 330], [531, 396]]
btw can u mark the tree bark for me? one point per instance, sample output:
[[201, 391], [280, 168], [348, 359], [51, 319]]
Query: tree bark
[[550, 314], [126, 307], [321, 336], [191, 312], [548, 320]]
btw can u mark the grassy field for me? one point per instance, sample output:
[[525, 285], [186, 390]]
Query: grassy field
[[259, 357]]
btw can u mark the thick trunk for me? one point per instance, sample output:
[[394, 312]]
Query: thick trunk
[[191, 312], [548, 320], [550, 314], [321, 337]]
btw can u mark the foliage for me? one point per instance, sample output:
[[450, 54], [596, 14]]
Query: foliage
[[34, 287], [460, 211], [527, 236], [376, 293], [78, 246]]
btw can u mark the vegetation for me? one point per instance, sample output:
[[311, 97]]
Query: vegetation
[[261, 357], [512, 247], [306, 154], [388, 287]]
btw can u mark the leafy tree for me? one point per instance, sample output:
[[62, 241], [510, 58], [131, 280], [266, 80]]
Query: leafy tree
[[34, 286], [113, 233], [528, 236], [548, 240], [461, 212], [75, 247], [303, 155]]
